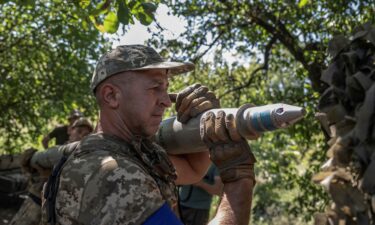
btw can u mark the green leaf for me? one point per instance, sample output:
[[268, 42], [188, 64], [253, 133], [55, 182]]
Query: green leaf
[[27, 3], [302, 3], [57, 30], [4, 1], [84, 3], [149, 7], [97, 25], [111, 23], [134, 4], [101, 8], [123, 13], [144, 18]]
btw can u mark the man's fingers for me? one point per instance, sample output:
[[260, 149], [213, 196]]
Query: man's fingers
[[203, 128], [199, 92], [194, 111], [204, 106], [181, 95], [209, 96], [173, 97], [210, 128], [204, 103], [220, 128], [230, 124], [212, 97]]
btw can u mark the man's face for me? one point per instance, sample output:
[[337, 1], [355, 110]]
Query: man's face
[[77, 133], [144, 98]]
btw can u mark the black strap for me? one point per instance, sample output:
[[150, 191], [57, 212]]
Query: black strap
[[51, 190], [179, 200], [52, 185], [35, 199], [187, 198]]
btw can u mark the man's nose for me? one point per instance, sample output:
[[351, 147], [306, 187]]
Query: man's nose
[[165, 100]]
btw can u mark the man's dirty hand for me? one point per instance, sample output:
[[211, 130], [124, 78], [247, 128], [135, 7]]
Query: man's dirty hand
[[194, 100]]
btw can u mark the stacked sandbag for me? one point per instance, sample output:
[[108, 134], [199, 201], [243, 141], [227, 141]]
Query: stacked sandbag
[[13, 182], [347, 114]]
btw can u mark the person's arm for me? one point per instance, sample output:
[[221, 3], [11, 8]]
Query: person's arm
[[50, 136], [235, 205], [233, 157], [190, 168], [214, 189], [45, 141], [189, 103]]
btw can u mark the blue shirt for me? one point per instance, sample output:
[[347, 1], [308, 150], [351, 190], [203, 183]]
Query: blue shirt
[[195, 197]]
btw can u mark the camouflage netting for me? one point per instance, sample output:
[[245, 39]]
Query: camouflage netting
[[347, 113]]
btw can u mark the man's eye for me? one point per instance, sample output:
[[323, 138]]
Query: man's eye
[[157, 87]]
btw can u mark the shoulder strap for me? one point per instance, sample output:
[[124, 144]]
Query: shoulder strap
[[52, 185]]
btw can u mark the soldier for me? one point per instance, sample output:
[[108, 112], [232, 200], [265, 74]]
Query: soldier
[[120, 176], [61, 133], [39, 166]]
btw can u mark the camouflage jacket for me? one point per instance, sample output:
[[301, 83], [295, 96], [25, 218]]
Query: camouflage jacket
[[108, 181]]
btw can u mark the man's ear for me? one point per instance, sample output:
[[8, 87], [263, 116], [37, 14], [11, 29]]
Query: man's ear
[[110, 95]]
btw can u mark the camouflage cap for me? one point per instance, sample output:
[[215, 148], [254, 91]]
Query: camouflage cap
[[83, 122], [134, 57]]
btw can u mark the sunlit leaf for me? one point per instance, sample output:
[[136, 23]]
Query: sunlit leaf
[[84, 3], [149, 7], [111, 22], [302, 3], [123, 13], [144, 18], [101, 8], [97, 25]]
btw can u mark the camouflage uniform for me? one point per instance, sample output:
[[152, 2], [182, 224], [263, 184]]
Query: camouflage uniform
[[108, 181]]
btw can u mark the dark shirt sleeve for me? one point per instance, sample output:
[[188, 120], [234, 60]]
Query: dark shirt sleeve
[[55, 132], [61, 134]]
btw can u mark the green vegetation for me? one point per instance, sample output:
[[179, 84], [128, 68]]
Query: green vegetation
[[48, 51], [285, 43], [48, 48]]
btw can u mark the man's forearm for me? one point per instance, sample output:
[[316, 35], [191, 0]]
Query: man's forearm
[[214, 189], [235, 207], [191, 167], [45, 141]]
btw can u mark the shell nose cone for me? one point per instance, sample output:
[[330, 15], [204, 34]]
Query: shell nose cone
[[290, 115]]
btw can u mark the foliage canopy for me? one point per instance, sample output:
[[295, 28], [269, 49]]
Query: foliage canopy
[[285, 43], [46, 49]]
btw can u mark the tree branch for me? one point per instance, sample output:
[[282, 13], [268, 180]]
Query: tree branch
[[263, 67], [198, 57], [279, 30]]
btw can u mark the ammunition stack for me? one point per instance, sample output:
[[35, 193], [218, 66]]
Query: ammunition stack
[[347, 114]]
